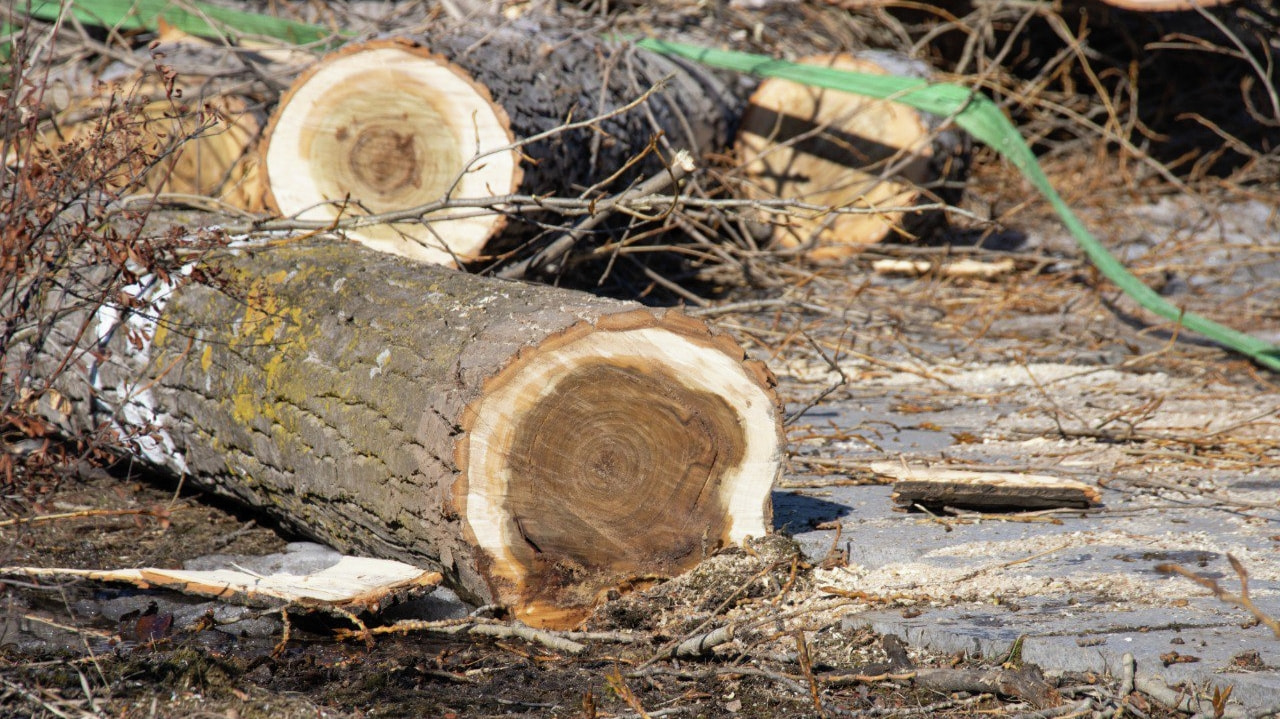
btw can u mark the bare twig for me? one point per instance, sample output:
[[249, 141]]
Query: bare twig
[[670, 648], [619, 687], [833, 362], [80, 514], [567, 642], [806, 666], [1241, 600], [34, 699], [546, 259]]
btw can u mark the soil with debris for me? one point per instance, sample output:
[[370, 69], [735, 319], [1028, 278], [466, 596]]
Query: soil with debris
[[85, 649]]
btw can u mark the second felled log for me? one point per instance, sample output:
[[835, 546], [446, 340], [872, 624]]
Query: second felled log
[[538, 446], [838, 150], [395, 124]]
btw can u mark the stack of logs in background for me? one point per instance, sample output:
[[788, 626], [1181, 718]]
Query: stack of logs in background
[[451, 141]]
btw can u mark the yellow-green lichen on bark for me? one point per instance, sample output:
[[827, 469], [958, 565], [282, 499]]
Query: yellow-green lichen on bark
[[275, 332]]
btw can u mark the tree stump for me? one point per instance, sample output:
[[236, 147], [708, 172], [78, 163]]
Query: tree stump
[[539, 446], [395, 124], [841, 150]]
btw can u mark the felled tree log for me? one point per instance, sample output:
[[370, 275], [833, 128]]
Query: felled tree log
[[538, 446], [841, 150], [184, 104], [201, 148], [396, 124]]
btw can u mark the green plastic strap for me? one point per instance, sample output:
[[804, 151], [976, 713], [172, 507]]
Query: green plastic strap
[[193, 17], [982, 119]]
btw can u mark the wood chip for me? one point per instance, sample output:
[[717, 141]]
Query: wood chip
[[971, 269]]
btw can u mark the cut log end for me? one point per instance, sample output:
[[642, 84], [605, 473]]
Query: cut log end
[[839, 150], [590, 463], [387, 126]]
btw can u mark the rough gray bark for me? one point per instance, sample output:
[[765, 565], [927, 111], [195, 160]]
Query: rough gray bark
[[544, 74], [343, 392]]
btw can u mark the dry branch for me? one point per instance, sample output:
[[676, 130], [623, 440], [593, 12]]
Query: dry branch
[[1026, 683], [1242, 600]]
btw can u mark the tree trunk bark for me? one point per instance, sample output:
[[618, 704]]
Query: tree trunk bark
[[538, 446], [396, 124]]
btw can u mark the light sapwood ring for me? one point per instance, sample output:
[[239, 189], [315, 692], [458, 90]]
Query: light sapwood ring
[[391, 126], [617, 450]]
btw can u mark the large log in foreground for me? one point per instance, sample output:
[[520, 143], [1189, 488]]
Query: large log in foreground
[[539, 446], [399, 123]]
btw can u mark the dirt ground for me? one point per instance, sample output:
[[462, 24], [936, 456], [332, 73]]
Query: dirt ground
[[85, 649]]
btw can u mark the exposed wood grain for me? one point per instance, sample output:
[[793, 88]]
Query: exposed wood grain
[[940, 487], [395, 124]]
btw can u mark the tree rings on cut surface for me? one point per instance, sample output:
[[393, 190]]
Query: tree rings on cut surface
[[385, 126], [838, 150], [604, 457]]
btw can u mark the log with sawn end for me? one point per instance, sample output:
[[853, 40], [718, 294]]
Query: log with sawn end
[[541, 447], [477, 113]]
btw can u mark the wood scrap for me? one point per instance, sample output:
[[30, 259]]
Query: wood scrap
[[353, 583], [935, 488], [960, 269]]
